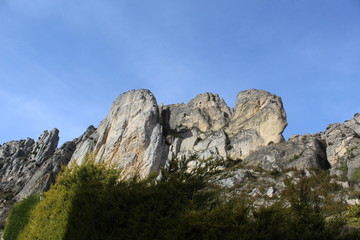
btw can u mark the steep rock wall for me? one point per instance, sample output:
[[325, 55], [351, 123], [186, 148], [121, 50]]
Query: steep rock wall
[[130, 137]]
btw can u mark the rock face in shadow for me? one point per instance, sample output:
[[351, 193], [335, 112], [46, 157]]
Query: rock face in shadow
[[299, 152]]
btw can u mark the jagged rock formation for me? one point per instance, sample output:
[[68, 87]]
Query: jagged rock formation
[[45, 175], [20, 161], [208, 127], [259, 119], [343, 148], [140, 137], [130, 137]]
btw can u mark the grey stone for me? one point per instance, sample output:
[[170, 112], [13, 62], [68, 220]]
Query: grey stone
[[207, 127], [19, 162], [130, 137], [343, 148], [300, 152]]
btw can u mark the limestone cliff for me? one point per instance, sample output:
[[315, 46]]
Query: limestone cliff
[[130, 137], [20, 161], [140, 136], [206, 126]]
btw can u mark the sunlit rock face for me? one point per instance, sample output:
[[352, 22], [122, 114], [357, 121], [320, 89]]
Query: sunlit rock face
[[20, 160], [259, 118], [197, 127], [139, 137], [130, 137], [343, 147], [207, 127], [29, 166]]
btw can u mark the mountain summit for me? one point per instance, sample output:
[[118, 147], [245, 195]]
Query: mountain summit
[[140, 136]]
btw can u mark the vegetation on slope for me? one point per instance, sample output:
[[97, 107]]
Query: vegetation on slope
[[92, 202], [19, 217]]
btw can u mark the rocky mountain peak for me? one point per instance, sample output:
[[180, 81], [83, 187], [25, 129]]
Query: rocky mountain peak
[[130, 136], [260, 110], [205, 112], [139, 137], [45, 146]]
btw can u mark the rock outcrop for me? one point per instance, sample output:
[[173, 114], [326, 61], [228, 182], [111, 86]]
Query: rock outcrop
[[130, 137], [20, 161], [139, 137], [197, 127], [45, 175], [259, 119], [343, 148], [206, 126], [299, 152]]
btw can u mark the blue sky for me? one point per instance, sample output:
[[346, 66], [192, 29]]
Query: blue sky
[[63, 62]]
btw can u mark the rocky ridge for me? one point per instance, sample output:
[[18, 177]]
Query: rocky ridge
[[140, 136]]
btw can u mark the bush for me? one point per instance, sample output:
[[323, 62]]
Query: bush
[[354, 212], [19, 217], [53, 216], [356, 175], [91, 202]]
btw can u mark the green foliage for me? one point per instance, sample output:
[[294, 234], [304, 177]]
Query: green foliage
[[50, 219], [304, 216], [349, 150], [91, 202], [19, 217], [356, 175], [354, 212], [343, 167]]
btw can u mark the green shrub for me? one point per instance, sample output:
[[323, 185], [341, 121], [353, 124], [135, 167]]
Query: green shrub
[[356, 175], [91, 202], [354, 212], [51, 218], [19, 217]]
